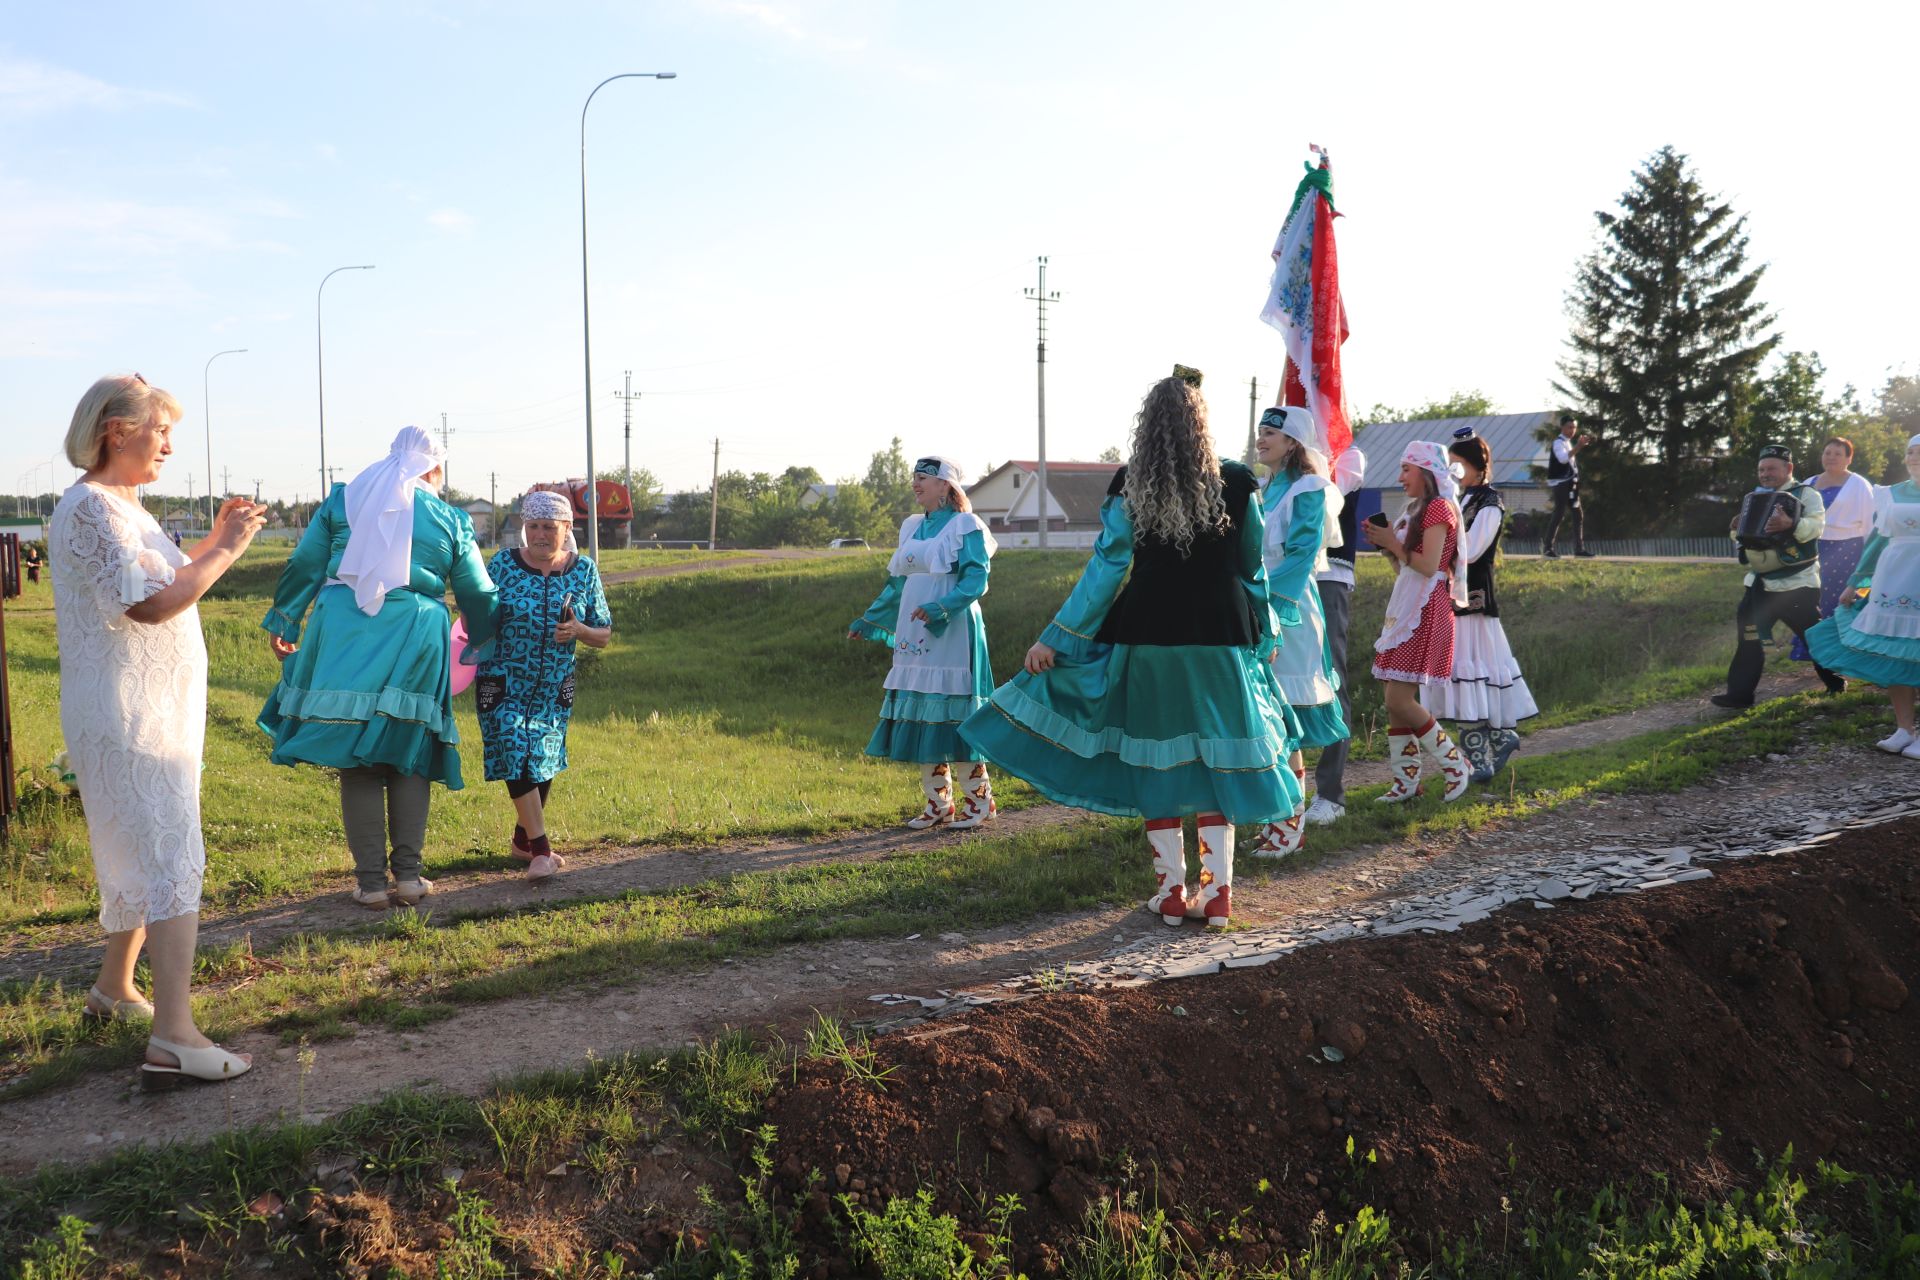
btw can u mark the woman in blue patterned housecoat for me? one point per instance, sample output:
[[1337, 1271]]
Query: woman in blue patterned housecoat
[[550, 600]]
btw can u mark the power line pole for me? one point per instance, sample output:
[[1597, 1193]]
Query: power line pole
[[1253, 418], [1041, 298], [493, 507], [445, 433], [256, 490], [226, 481], [713, 517], [627, 431]]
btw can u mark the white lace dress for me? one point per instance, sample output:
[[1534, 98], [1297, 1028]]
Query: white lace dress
[[133, 706]]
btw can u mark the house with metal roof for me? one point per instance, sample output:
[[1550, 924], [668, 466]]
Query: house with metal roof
[[1008, 498], [1519, 457]]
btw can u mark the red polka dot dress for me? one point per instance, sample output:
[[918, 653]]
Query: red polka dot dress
[[1426, 657]]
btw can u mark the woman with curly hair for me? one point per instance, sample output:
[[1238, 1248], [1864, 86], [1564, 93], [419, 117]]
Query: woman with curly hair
[[1150, 695]]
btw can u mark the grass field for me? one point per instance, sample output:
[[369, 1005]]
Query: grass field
[[731, 705]]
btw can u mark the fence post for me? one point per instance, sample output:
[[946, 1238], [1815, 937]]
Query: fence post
[[9, 588]]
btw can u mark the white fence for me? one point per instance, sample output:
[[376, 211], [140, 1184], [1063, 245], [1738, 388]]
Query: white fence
[[1647, 548]]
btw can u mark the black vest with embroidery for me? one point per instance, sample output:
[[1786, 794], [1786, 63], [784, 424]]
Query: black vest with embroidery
[[1558, 470], [1349, 531], [1480, 597], [1197, 598]]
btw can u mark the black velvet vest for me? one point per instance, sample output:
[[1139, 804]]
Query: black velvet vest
[[1349, 530], [1193, 599], [1480, 597]]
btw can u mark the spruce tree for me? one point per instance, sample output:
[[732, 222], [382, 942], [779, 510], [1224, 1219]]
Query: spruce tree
[[1668, 335]]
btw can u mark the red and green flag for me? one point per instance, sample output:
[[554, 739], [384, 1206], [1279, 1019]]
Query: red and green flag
[[1304, 304]]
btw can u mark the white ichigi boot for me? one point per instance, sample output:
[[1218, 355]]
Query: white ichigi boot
[[1215, 901], [937, 781], [1168, 843], [1283, 839], [1406, 763], [976, 797], [1453, 766]]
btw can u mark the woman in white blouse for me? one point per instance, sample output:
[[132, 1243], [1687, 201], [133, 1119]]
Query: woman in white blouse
[[133, 708], [1849, 500]]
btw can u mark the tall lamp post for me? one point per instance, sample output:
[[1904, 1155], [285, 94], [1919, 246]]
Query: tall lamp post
[[320, 353], [206, 407], [586, 311]]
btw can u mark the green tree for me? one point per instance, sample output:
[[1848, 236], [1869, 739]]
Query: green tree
[[1668, 335], [1461, 404], [1790, 406], [1112, 453], [890, 481]]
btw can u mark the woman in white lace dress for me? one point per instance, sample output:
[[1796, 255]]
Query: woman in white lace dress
[[133, 707]]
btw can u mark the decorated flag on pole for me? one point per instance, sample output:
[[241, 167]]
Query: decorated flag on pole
[[1304, 304]]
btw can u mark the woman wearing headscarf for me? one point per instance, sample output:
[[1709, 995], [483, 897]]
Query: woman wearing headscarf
[[1848, 498], [940, 672], [1486, 694], [1875, 633], [1150, 693], [366, 689], [1415, 647], [1300, 509], [551, 601]]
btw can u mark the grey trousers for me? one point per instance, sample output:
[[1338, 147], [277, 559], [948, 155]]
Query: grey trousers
[[381, 808], [1329, 775]]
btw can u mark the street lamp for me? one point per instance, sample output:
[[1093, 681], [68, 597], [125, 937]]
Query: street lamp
[[586, 316], [320, 352], [206, 407]]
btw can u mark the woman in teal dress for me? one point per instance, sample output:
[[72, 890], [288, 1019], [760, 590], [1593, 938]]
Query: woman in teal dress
[[1301, 511], [1150, 693], [1875, 633], [929, 615], [367, 688]]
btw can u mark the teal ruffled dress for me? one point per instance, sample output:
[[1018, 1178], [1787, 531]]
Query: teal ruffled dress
[[940, 672], [366, 690], [1161, 702], [1875, 633], [1295, 511]]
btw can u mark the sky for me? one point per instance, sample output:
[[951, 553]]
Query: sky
[[816, 238]]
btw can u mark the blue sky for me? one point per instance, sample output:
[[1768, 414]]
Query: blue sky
[[817, 236]]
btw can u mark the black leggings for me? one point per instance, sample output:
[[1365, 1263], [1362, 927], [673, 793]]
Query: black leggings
[[518, 787]]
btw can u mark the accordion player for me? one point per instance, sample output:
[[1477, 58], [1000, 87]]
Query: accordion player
[[1768, 553]]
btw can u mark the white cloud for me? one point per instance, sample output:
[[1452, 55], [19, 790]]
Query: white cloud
[[29, 88], [455, 220], [327, 151]]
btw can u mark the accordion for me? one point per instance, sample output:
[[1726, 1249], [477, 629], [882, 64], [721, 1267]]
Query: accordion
[[1757, 509]]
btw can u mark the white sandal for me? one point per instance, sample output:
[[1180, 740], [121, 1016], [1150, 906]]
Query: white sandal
[[100, 1007], [374, 900], [211, 1064]]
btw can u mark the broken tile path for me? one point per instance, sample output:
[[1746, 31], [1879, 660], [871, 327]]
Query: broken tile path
[[1447, 897]]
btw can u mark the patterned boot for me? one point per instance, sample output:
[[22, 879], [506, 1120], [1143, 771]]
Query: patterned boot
[[977, 795], [1168, 842], [1453, 766], [1503, 744], [1477, 745], [937, 781], [1406, 762], [1214, 904], [1283, 839]]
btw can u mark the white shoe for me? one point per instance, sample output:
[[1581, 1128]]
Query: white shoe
[[1899, 742], [1912, 750], [1324, 811]]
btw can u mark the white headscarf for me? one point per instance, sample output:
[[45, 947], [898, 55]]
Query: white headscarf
[[379, 502], [1446, 472], [544, 504], [939, 468], [1298, 423]]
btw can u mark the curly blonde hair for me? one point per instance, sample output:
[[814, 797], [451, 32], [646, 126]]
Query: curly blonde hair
[[1173, 488]]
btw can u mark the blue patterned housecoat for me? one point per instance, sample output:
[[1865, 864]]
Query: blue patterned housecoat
[[524, 691]]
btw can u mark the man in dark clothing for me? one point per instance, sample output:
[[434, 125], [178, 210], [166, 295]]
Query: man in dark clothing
[[1563, 479]]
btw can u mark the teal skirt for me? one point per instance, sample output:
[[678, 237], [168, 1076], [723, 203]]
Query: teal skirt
[[1322, 725], [923, 728], [1155, 731], [369, 690], [1887, 661]]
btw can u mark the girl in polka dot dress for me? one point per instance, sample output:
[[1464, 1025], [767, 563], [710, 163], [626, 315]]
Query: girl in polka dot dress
[[1416, 644]]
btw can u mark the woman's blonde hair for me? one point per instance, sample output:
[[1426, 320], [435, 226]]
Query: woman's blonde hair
[[119, 397], [1173, 489]]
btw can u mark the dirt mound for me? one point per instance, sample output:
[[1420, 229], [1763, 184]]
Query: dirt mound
[[1680, 1031]]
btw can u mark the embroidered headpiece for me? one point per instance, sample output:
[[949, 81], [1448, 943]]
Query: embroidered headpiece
[[1779, 451], [543, 505], [1436, 462], [938, 468]]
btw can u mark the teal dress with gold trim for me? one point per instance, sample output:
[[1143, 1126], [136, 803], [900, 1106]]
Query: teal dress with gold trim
[[1161, 702]]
